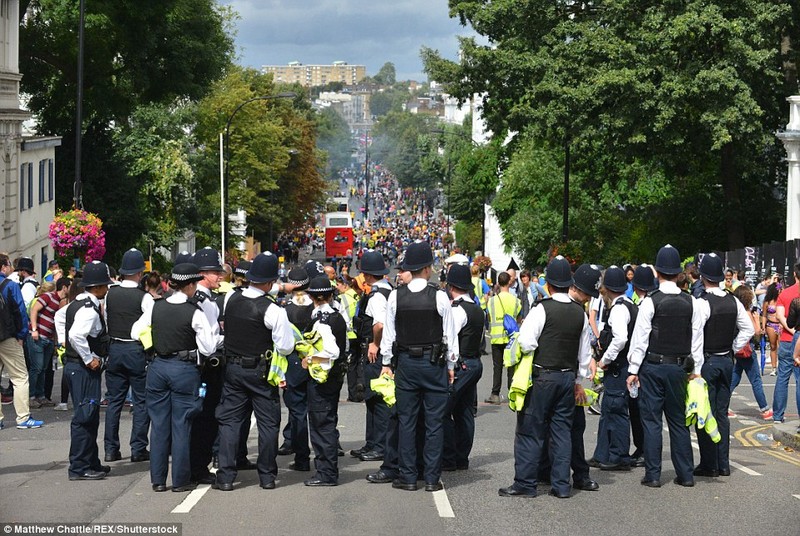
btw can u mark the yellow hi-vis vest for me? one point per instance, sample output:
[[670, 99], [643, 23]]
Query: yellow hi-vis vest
[[385, 387], [512, 353], [349, 301], [311, 343], [477, 283], [500, 305], [280, 363], [698, 409], [520, 383]]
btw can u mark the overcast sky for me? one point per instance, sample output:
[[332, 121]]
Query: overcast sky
[[360, 32]]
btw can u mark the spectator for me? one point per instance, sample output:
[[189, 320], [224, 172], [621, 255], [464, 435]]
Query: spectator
[[40, 342], [770, 324], [744, 360], [61, 335]]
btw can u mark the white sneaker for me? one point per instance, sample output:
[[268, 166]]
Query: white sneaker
[[773, 373], [61, 407]]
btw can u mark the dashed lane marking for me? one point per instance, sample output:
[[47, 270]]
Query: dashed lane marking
[[739, 466], [796, 496], [748, 422], [191, 500], [443, 503]]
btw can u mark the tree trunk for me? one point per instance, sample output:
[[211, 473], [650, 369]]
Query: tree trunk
[[734, 222]]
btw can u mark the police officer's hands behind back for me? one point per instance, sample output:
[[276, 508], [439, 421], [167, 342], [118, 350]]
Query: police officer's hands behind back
[[94, 364]]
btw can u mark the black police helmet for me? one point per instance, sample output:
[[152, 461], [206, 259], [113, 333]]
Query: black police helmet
[[587, 279], [313, 269], [298, 277], [207, 259], [668, 261], [95, 274], [264, 269], [558, 273], [711, 268], [183, 257], [320, 285], [242, 267], [372, 263], [418, 255], [185, 272], [132, 262], [644, 278], [615, 280], [459, 276]]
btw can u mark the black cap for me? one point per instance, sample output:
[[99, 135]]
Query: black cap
[[668, 261], [711, 268], [183, 257], [372, 263], [26, 263], [132, 262], [185, 272], [587, 278], [263, 269], [313, 268], [297, 277], [644, 278], [320, 285], [558, 273], [242, 267], [418, 256], [615, 280], [207, 259], [95, 274], [459, 276]]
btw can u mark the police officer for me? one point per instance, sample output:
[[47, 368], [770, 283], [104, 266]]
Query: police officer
[[557, 330], [181, 334], [205, 428], [613, 436], [323, 389], [459, 419], [255, 327], [86, 346], [420, 333], [295, 396], [727, 330], [125, 304], [369, 324], [667, 344]]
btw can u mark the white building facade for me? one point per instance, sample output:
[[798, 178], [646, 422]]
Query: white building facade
[[27, 171]]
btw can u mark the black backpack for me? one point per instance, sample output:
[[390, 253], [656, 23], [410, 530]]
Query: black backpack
[[10, 323]]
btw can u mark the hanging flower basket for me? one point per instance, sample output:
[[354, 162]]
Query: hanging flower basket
[[483, 262], [77, 233]]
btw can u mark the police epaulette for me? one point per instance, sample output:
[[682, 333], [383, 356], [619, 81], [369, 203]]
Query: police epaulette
[[199, 297], [88, 303]]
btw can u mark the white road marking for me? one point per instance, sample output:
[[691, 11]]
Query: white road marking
[[751, 404], [796, 496], [189, 502], [739, 466], [443, 503], [748, 422]]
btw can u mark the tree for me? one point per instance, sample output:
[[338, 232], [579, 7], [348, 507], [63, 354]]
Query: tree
[[687, 89], [334, 140], [402, 141], [387, 75], [387, 100]]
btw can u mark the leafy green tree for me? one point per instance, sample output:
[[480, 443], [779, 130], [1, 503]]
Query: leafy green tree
[[387, 75], [334, 140], [402, 141], [387, 100], [686, 90]]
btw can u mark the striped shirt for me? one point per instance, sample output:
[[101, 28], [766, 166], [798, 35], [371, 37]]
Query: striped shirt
[[46, 321]]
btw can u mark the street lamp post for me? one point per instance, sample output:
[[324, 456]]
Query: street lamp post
[[225, 161], [77, 196]]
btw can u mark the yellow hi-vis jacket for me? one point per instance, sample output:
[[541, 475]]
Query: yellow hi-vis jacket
[[477, 283], [500, 305], [311, 343], [512, 353], [385, 387], [349, 301], [280, 363], [698, 409], [520, 383]]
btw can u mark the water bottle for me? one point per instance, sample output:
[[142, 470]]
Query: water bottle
[[634, 390], [201, 392], [763, 437]]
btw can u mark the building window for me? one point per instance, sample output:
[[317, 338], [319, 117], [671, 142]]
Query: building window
[[26, 186], [23, 170], [42, 168], [30, 184], [51, 180]]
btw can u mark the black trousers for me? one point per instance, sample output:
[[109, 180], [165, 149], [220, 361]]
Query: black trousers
[[244, 387], [205, 427], [377, 419], [295, 396], [459, 419], [355, 373], [323, 417], [497, 369], [717, 372], [126, 369], [85, 388], [637, 431], [577, 460]]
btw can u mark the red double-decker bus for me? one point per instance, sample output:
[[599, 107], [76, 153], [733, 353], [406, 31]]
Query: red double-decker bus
[[338, 234]]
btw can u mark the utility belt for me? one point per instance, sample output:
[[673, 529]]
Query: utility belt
[[727, 356], [183, 355], [247, 362], [435, 352], [115, 340], [539, 370], [686, 362]]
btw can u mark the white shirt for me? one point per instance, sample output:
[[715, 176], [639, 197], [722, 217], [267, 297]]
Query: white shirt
[[147, 299], [743, 322], [376, 306], [644, 324], [459, 314], [618, 319], [206, 337], [60, 319], [275, 319], [330, 349], [598, 305], [444, 309], [28, 290], [531, 330], [87, 323]]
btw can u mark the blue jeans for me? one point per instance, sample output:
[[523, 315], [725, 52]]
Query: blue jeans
[[785, 369], [750, 366], [40, 354]]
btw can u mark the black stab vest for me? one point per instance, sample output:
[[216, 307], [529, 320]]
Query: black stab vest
[[560, 340], [365, 322], [245, 332], [720, 329], [123, 308], [671, 333], [469, 338], [172, 327], [606, 335], [339, 329], [99, 344], [300, 315], [417, 320]]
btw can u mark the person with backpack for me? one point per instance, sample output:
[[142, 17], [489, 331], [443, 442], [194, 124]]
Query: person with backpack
[[501, 305], [27, 282], [13, 334]]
